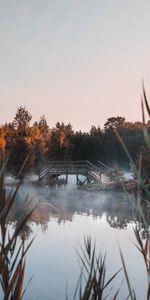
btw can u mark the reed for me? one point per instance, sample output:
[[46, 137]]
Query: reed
[[12, 249], [93, 274]]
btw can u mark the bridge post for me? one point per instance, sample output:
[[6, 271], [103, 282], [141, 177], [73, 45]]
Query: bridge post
[[66, 176], [88, 179], [100, 175], [56, 175], [77, 177]]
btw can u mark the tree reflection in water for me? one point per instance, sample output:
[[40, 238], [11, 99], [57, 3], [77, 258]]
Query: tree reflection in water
[[63, 204]]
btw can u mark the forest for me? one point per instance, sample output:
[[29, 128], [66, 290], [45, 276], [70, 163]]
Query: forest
[[36, 143]]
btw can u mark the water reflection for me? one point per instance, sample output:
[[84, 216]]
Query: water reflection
[[66, 215], [62, 204]]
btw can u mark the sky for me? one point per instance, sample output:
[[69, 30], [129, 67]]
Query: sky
[[77, 61]]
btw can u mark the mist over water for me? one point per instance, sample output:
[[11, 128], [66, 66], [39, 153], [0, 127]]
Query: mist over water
[[66, 200], [63, 216]]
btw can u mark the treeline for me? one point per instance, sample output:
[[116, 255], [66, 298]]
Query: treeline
[[37, 143]]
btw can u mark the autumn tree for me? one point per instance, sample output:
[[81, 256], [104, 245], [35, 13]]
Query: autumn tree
[[60, 146], [22, 144], [9, 134], [40, 141], [43, 126]]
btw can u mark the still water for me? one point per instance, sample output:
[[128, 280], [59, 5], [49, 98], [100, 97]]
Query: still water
[[61, 220]]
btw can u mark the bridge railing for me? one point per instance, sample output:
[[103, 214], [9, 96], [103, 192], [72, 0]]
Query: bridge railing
[[66, 162], [43, 172], [63, 165], [104, 166], [60, 167], [92, 166], [74, 167]]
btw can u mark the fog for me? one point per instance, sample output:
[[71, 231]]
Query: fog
[[64, 201], [63, 215]]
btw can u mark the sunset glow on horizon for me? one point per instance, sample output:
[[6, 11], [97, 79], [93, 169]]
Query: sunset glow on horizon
[[74, 61]]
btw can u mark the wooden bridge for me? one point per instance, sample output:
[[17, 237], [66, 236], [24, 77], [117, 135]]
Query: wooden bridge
[[91, 171]]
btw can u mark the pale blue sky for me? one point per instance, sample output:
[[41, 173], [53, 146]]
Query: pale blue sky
[[78, 61]]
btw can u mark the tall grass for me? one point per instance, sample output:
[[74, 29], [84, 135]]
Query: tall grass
[[12, 249], [92, 283], [93, 274]]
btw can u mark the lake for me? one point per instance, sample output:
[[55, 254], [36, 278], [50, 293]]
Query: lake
[[64, 215]]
